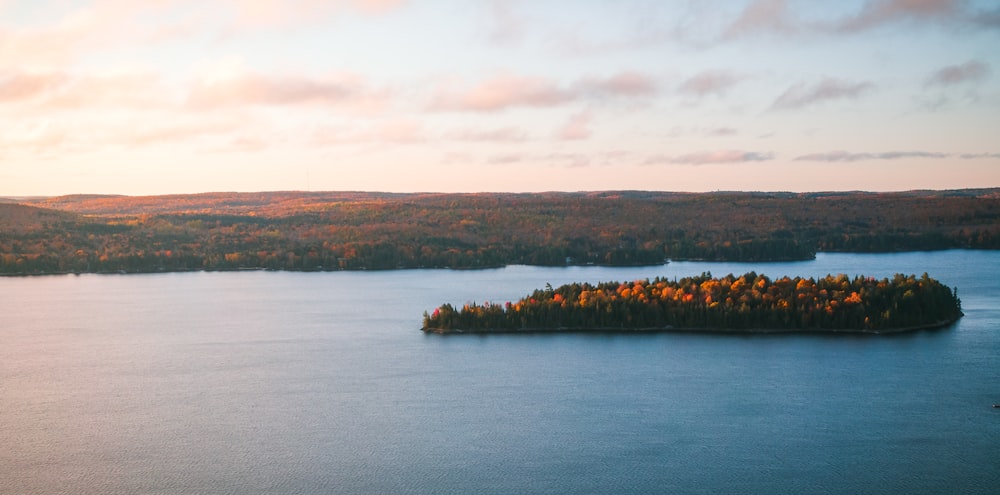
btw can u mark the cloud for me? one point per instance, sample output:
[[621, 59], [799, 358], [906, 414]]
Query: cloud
[[503, 134], [393, 131], [56, 90], [510, 91], [377, 6], [711, 157], [507, 26], [972, 70], [241, 144], [166, 133], [576, 128], [284, 13], [880, 12], [762, 16], [506, 158], [21, 86], [778, 17], [989, 19], [239, 88], [54, 136], [621, 84], [802, 95], [503, 92], [720, 132], [398, 131], [976, 156], [38, 137], [61, 40], [844, 156], [708, 82]]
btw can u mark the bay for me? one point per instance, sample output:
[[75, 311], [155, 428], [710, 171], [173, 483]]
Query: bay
[[280, 382]]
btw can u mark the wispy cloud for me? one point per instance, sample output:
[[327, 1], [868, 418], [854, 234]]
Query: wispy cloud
[[844, 156], [20, 86], [779, 17], [577, 127], [880, 12], [171, 132], [768, 16], [502, 92], [801, 95], [972, 70], [282, 13], [500, 135], [391, 131], [711, 157], [510, 91], [621, 84], [720, 132], [244, 88], [976, 156], [506, 25], [708, 83]]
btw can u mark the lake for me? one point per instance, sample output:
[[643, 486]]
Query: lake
[[279, 382]]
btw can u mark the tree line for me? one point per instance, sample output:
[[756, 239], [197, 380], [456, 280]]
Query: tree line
[[355, 231]]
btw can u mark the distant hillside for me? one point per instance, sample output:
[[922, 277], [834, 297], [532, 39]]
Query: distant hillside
[[361, 230], [18, 218]]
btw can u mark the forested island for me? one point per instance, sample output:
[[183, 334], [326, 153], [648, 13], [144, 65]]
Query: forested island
[[750, 303], [320, 231]]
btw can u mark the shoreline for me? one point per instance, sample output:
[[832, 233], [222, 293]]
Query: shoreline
[[714, 331]]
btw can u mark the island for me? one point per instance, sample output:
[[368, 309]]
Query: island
[[750, 303]]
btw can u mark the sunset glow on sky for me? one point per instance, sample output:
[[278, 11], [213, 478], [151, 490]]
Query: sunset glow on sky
[[178, 96]]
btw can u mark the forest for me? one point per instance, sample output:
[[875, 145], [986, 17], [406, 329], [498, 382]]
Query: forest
[[313, 231], [748, 303]]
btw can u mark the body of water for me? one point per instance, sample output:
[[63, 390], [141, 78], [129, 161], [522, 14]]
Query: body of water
[[267, 382]]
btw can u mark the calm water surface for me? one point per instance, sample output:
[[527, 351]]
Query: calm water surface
[[322, 383]]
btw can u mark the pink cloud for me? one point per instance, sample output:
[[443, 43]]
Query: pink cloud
[[55, 90], [260, 89], [377, 6], [401, 131], [506, 158], [21, 86], [576, 128], [169, 132], [283, 13], [508, 91], [763, 16], [501, 93], [503, 134], [398, 131]]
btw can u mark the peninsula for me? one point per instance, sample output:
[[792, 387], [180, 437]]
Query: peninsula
[[750, 303]]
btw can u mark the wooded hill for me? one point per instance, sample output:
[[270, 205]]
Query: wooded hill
[[357, 230]]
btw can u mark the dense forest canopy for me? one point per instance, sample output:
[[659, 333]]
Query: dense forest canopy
[[358, 230], [751, 302]]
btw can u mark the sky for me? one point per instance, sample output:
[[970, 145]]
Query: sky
[[145, 97]]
